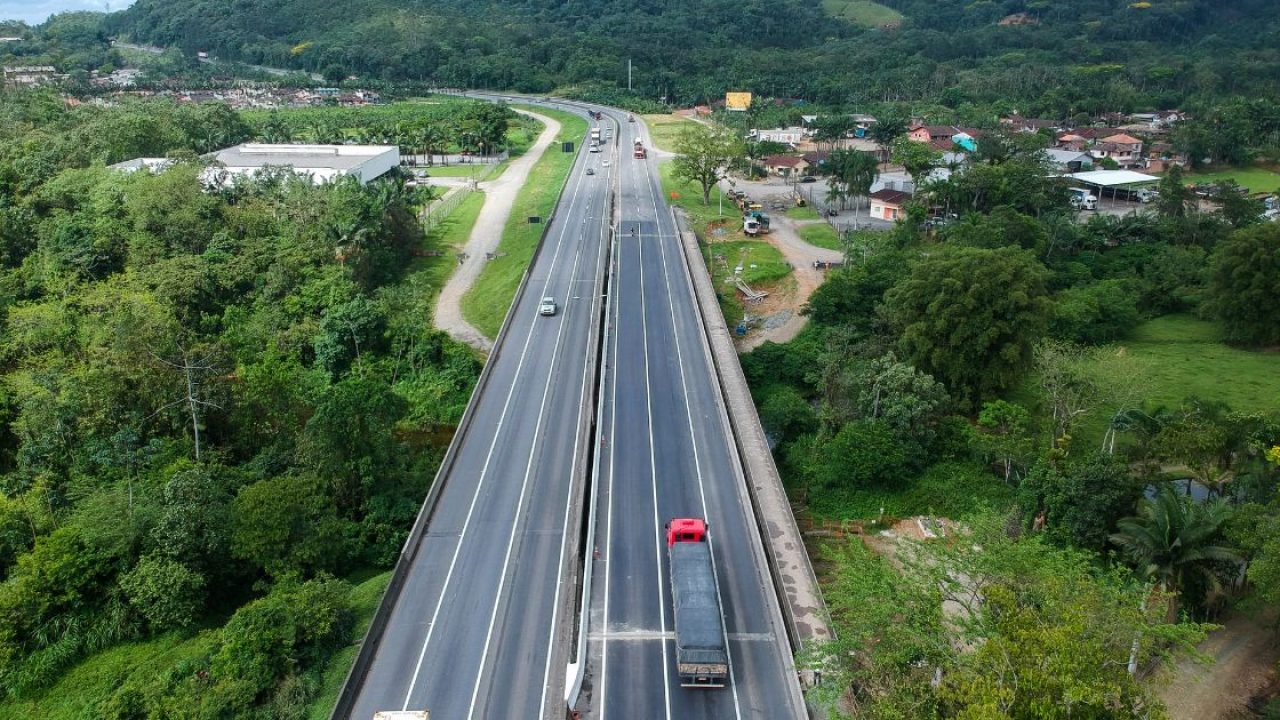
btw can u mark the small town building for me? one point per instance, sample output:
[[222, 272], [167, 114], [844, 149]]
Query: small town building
[[320, 163], [29, 75], [784, 165], [1069, 161], [889, 205], [1124, 149]]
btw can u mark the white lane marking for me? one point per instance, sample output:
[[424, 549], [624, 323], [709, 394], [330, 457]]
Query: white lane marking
[[693, 438], [613, 426], [524, 491], [484, 472], [653, 476], [564, 527]]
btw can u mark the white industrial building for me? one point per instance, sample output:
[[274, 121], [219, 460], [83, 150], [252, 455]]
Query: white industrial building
[[321, 163]]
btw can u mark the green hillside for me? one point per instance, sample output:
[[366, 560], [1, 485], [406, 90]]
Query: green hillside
[[1065, 58]]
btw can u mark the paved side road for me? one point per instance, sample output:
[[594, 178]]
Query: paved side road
[[500, 195]]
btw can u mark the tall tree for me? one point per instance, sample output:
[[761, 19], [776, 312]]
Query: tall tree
[[1244, 287], [703, 154], [1173, 538], [970, 317]]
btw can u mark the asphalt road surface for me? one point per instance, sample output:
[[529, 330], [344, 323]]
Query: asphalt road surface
[[481, 627], [474, 632], [669, 454]]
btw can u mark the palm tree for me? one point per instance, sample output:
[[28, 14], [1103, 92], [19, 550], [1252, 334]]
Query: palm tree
[[1172, 538]]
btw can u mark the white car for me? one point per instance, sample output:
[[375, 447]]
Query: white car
[[548, 306], [604, 163]]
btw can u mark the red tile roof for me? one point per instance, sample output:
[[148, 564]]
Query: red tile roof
[[891, 197]]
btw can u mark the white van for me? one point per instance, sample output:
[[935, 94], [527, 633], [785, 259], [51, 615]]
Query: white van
[[1082, 199]]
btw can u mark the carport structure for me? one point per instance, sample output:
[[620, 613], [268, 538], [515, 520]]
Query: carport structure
[[1116, 181]]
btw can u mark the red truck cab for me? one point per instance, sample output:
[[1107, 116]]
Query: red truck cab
[[686, 530]]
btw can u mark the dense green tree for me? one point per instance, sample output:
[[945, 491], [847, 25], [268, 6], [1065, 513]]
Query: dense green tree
[[970, 317], [1175, 200], [1082, 500], [862, 454], [1244, 287], [850, 295], [704, 154], [1003, 436], [906, 401], [287, 526], [1093, 314], [276, 636], [166, 593], [1174, 539], [917, 158]]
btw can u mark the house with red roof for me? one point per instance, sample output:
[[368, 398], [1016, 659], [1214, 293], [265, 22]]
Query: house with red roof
[[889, 204]]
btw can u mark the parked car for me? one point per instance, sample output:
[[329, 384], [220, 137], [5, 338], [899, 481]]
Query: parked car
[[808, 179], [1146, 195], [548, 306]]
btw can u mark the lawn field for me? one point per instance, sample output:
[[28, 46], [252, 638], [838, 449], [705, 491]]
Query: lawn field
[[1179, 357], [862, 12], [1256, 179], [820, 235], [688, 197], [1185, 357], [663, 129], [486, 303], [805, 212]]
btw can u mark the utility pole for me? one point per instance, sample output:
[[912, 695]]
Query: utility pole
[[628, 74]]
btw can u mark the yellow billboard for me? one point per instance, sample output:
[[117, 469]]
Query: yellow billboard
[[739, 101]]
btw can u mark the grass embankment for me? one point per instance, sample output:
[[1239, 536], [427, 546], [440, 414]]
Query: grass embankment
[[447, 237], [486, 303], [724, 244], [862, 12], [1256, 179], [663, 129], [365, 598], [81, 691], [820, 235]]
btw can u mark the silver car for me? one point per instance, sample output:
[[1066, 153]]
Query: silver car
[[548, 306]]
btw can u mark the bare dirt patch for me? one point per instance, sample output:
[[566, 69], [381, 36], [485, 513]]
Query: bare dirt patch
[[1244, 653]]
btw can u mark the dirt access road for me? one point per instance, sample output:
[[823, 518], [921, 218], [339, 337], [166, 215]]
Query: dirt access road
[[1244, 653], [499, 196]]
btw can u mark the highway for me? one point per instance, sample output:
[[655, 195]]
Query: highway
[[669, 453], [483, 623], [475, 631]]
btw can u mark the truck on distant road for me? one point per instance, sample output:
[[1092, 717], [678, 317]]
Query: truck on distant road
[[595, 134], [639, 149], [702, 652]]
